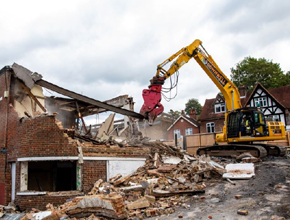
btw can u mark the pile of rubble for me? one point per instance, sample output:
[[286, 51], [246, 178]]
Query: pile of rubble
[[166, 180]]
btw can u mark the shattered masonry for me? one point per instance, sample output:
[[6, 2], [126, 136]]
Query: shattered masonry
[[49, 157]]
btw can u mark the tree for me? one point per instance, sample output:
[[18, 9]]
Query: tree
[[174, 114], [251, 70], [193, 104]]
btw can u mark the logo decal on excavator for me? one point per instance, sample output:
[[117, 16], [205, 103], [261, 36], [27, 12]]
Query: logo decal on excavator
[[215, 72]]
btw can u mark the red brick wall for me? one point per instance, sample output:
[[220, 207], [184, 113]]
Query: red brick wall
[[182, 125], [92, 172], [36, 137], [40, 202], [3, 162], [40, 137], [219, 123]]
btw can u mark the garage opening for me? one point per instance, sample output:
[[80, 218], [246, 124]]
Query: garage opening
[[52, 176]]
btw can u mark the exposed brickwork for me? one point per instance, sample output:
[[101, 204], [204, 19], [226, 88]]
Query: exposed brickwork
[[4, 187], [115, 151], [93, 171], [40, 137], [39, 202]]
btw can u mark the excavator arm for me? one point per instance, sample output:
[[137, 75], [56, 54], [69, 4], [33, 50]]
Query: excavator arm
[[152, 96]]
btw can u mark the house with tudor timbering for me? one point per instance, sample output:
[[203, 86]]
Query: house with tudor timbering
[[275, 104]]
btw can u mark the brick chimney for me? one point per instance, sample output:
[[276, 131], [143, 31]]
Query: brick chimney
[[193, 113], [243, 91], [182, 112]]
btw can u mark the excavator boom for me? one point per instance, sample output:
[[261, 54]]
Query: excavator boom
[[152, 96]]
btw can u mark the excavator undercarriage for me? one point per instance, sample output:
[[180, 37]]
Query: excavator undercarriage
[[235, 149]]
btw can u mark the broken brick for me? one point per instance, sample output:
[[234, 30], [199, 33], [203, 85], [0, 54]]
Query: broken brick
[[141, 203]]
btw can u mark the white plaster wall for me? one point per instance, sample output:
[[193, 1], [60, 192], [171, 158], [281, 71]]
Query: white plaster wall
[[124, 167]]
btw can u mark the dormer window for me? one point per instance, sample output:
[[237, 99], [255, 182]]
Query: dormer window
[[218, 108]]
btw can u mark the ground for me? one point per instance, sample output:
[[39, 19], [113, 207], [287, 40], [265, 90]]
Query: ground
[[264, 196]]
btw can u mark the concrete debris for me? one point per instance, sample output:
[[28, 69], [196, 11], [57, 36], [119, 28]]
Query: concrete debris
[[239, 171], [41, 215], [247, 158], [111, 206]]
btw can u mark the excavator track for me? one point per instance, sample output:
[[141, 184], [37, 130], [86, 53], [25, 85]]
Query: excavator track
[[230, 150], [274, 150]]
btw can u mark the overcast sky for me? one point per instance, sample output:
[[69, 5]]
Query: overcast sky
[[107, 48]]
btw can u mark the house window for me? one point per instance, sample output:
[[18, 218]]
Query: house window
[[176, 132], [188, 131], [276, 118], [49, 176], [210, 127], [218, 108], [260, 102]]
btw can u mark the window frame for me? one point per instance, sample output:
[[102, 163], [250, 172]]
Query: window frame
[[262, 101], [188, 133], [221, 106], [210, 127], [177, 131]]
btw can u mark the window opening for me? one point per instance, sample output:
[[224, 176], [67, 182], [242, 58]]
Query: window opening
[[260, 102], [52, 176], [210, 127], [220, 108], [176, 132], [188, 131]]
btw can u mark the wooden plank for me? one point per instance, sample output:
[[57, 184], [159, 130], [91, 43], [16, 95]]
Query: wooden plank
[[163, 193], [86, 99], [32, 96], [80, 116]]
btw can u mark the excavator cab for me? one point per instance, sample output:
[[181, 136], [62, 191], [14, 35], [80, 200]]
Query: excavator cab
[[247, 122]]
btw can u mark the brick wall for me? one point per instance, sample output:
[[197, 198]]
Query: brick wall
[[182, 124], [92, 172], [219, 123], [40, 202], [3, 161], [39, 137]]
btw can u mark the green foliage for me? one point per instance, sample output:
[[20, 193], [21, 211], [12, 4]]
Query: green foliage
[[250, 71], [174, 114], [193, 104]]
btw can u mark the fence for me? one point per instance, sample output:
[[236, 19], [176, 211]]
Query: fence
[[195, 141]]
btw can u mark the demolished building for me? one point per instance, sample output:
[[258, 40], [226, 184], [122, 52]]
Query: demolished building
[[45, 157]]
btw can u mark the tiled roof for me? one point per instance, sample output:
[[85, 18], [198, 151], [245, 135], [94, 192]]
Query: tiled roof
[[208, 110], [282, 94]]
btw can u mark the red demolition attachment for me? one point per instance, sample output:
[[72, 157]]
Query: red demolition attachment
[[152, 97]]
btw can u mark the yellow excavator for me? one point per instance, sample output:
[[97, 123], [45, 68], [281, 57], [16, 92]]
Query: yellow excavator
[[245, 127]]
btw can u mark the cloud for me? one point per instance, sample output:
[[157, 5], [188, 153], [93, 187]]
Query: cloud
[[106, 48]]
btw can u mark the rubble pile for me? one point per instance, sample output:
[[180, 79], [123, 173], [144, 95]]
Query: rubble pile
[[164, 182], [167, 180]]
